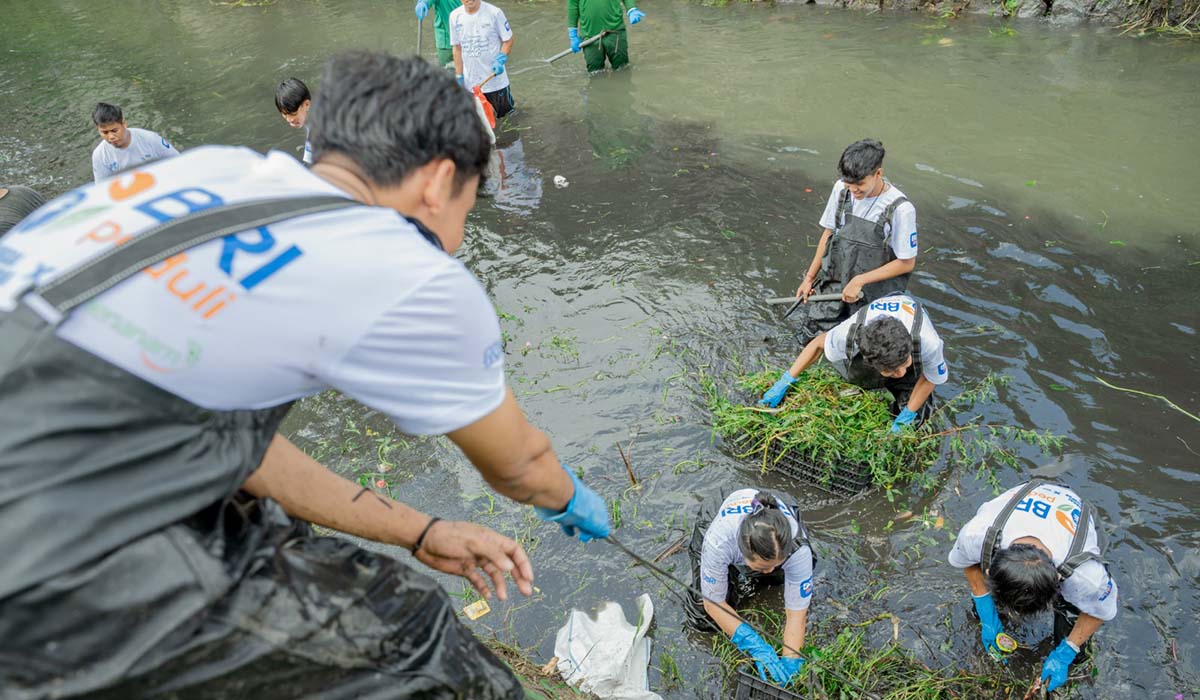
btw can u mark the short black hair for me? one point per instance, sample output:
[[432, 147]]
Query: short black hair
[[860, 159], [290, 95], [393, 115], [766, 532], [1022, 579], [104, 113], [885, 343]]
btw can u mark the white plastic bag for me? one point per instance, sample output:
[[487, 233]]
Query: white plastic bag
[[607, 656]]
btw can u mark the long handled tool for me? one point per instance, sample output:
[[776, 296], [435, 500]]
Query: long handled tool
[[836, 296], [589, 42], [797, 301], [668, 578], [419, 32]]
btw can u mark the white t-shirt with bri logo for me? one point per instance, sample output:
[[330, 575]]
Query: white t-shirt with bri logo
[[900, 306], [1051, 514], [721, 550], [901, 230], [354, 299], [480, 36], [144, 145]]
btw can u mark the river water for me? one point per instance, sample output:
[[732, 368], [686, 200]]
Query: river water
[[1051, 168]]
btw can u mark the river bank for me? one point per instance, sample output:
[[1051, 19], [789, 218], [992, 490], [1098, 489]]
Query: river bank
[[1177, 17]]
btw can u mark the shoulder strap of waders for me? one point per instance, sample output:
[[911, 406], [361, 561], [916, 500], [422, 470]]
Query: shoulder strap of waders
[[915, 333], [170, 238], [991, 540], [801, 539], [1076, 557], [852, 347], [845, 206], [886, 217]]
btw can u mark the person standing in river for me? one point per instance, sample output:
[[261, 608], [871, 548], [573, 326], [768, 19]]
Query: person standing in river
[[868, 247], [482, 41], [121, 147], [293, 100], [1032, 547], [587, 18], [156, 327], [441, 26]]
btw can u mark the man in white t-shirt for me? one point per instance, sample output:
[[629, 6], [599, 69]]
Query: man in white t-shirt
[[1037, 553], [122, 148], [482, 41], [155, 328], [868, 247], [755, 539], [293, 100], [890, 344]]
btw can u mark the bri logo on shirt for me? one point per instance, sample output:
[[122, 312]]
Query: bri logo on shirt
[[941, 368], [912, 239], [892, 306], [806, 588], [493, 355], [1107, 591], [1067, 515], [709, 579]]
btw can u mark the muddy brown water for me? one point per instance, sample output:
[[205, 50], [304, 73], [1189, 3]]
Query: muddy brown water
[[1051, 170]]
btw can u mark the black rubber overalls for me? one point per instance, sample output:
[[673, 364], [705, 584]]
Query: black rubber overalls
[[856, 371], [743, 581], [132, 567], [856, 246], [1065, 614]]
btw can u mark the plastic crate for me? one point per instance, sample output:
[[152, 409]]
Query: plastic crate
[[841, 480], [749, 687]]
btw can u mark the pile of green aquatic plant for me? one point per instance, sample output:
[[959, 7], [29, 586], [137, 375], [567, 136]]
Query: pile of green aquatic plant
[[846, 665], [832, 425]]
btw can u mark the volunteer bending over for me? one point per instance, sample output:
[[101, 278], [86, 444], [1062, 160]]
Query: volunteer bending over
[[751, 541], [1032, 547], [145, 367], [890, 344]]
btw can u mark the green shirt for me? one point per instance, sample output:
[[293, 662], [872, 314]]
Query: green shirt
[[441, 20], [595, 16]]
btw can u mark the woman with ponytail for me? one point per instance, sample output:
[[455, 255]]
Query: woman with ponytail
[[753, 539]]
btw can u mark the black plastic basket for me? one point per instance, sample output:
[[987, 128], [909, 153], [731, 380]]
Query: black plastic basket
[[842, 480], [749, 687]]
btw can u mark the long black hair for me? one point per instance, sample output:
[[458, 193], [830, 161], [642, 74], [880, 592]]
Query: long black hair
[[766, 533]]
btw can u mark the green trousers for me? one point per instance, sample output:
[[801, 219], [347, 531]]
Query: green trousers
[[614, 46], [445, 56]]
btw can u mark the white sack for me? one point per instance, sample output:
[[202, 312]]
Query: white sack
[[607, 656]]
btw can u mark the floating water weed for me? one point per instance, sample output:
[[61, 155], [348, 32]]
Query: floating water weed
[[828, 423]]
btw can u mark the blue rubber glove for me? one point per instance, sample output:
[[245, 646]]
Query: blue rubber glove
[[906, 417], [636, 15], [989, 622], [775, 394], [573, 33], [422, 9], [498, 63], [462, 82], [765, 658], [792, 666], [1055, 668], [586, 513]]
